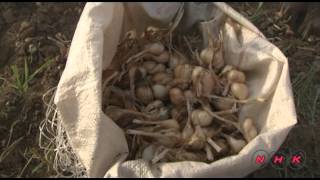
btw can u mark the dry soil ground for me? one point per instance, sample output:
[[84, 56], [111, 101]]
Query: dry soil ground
[[34, 40]]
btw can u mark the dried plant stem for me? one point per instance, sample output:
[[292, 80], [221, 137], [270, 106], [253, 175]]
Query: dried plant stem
[[209, 153], [229, 111], [221, 118], [105, 83], [227, 99], [135, 113], [214, 145], [137, 121], [136, 56], [160, 156], [132, 73], [142, 133]]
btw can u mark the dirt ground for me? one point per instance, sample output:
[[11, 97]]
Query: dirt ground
[[34, 41]]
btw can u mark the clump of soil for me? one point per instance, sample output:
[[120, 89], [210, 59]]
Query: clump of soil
[[37, 33]]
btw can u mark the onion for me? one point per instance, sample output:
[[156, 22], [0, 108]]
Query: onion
[[183, 72], [249, 129], [149, 65], [176, 97], [176, 60], [210, 57], [202, 81], [201, 117], [239, 90], [226, 69], [162, 78], [162, 58], [154, 48], [206, 56], [160, 91], [236, 76], [144, 93]]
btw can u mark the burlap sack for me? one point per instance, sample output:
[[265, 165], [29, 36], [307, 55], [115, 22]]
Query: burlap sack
[[101, 145]]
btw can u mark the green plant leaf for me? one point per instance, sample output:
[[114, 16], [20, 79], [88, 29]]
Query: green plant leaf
[[46, 64], [256, 15], [16, 75], [26, 71]]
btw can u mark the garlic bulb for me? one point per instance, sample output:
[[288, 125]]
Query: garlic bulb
[[239, 90], [249, 129], [160, 92], [183, 72], [236, 76], [201, 117], [144, 94], [162, 78], [202, 81], [176, 97]]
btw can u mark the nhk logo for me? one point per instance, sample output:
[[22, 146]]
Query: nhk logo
[[280, 159]]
